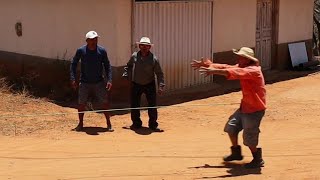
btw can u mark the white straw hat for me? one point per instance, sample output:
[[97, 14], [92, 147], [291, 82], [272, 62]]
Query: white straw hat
[[145, 41], [247, 53]]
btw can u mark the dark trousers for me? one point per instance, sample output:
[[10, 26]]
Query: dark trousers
[[150, 91]]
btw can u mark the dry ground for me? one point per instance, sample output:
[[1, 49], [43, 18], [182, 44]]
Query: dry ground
[[43, 147]]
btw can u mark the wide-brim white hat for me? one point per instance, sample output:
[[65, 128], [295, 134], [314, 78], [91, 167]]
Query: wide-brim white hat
[[246, 52], [91, 35], [145, 41]]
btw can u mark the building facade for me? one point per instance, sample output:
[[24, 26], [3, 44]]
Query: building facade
[[39, 37]]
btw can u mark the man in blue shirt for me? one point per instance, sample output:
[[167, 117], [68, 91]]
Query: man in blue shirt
[[94, 60]]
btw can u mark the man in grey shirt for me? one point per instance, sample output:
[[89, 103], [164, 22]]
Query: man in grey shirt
[[141, 70]]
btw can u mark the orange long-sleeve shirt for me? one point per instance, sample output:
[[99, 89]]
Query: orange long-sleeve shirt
[[252, 86]]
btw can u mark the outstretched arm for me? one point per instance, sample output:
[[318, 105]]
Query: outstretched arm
[[196, 64], [249, 72], [214, 71]]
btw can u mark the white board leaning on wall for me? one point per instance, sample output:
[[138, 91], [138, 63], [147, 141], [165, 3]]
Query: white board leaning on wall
[[298, 53]]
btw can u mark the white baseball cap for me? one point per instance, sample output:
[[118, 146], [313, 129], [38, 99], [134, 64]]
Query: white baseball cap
[[91, 35]]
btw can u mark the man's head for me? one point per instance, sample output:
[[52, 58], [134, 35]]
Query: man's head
[[92, 38], [246, 57], [145, 44]]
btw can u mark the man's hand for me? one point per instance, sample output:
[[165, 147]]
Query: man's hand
[[196, 64], [108, 86], [74, 85], [160, 90], [207, 71]]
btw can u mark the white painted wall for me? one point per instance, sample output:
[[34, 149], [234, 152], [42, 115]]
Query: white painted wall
[[295, 20], [234, 24], [52, 28]]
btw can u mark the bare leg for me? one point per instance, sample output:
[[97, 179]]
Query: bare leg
[[81, 108], [234, 139], [253, 149], [107, 116]]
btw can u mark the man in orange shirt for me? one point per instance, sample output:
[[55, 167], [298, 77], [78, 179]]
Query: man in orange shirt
[[253, 103]]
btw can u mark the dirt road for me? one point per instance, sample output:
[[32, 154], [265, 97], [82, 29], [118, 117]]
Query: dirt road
[[190, 148]]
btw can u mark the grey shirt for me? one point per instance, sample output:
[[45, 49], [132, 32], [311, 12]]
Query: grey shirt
[[143, 70]]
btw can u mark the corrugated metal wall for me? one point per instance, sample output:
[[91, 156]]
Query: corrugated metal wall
[[181, 31]]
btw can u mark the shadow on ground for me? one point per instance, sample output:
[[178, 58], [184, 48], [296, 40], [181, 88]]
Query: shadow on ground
[[232, 169], [94, 130], [143, 130]]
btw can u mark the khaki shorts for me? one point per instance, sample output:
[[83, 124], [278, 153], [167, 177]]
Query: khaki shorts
[[93, 92], [250, 124]]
